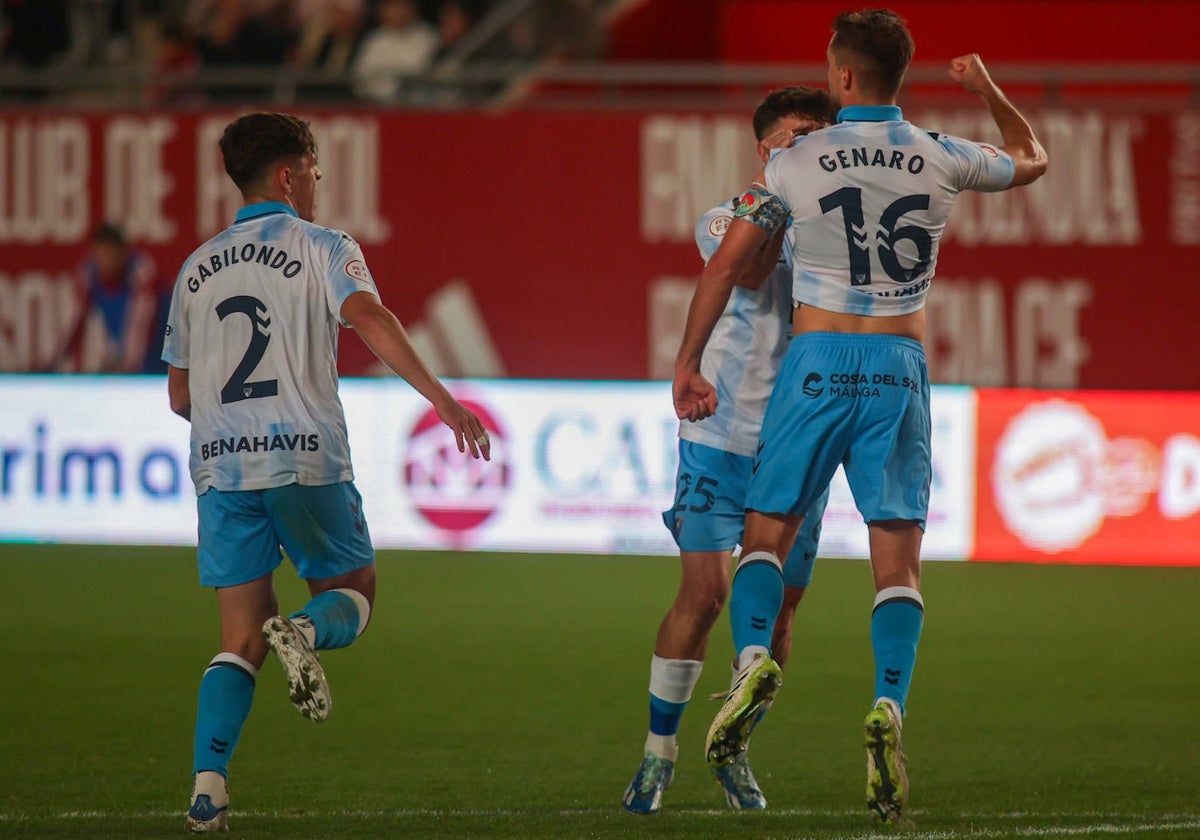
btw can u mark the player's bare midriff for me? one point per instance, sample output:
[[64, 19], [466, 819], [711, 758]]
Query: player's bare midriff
[[806, 319]]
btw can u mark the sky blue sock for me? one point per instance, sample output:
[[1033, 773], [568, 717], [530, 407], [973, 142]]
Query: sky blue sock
[[334, 617], [226, 693], [665, 716], [895, 631], [755, 600]]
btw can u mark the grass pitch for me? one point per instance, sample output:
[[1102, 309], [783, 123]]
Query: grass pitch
[[505, 696]]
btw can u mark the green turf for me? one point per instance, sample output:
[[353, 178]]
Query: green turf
[[505, 696]]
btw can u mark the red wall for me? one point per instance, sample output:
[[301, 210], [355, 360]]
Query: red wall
[[667, 30], [565, 228], [764, 31]]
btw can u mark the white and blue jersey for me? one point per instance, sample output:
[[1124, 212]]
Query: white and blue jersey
[[741, 359], [869, 198], [745, 351], [254, 319]]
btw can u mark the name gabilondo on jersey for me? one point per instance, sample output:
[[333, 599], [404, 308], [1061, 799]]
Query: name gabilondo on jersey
[[249, 252], [260, 443]]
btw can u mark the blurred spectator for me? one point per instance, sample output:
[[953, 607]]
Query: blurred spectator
[[402, 44], [196, 13], [34, 32], [566, 29], [175, 62], [455, 18], [120, 324], [234, 34], [329, 39], [237, 33]]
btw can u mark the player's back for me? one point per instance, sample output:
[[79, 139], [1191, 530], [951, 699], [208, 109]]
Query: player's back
[[869, 199], [259, 313]]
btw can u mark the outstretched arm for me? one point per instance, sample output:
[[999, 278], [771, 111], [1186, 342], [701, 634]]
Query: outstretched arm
[[383, 333], [1020, 143]]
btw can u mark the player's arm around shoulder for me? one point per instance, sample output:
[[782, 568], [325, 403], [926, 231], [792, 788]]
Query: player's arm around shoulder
[[711, 229], [754, 224], [384, 334], [753, 239], [1020, 142], [759, 268]]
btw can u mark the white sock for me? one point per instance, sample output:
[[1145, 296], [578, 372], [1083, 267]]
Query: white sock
[[894, 706], [748, 653], [889, 593], [663, 746], [672, 680], [235, 660], [212, 783]]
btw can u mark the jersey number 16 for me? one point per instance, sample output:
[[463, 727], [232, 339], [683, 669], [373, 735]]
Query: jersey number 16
[[850, 200]]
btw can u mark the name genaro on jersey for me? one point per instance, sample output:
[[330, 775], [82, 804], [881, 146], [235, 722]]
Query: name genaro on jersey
[[862, 156], [249, 252]]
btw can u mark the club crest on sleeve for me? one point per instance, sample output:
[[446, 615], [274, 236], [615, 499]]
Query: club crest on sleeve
[[358, 270]]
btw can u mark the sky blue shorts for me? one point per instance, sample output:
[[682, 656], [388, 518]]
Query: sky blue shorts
[[321, 528], [861, 401], [709, 511]]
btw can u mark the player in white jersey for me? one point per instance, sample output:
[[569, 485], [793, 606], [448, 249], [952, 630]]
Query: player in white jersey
[[252, 346], [715, 457], [868, 200]]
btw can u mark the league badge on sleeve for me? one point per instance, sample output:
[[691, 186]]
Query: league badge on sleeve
[[717, 225], [761, 208], [750, 201], [358, 270]]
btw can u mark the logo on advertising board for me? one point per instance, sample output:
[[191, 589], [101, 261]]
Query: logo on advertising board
[[1057, 476], [451, 490]]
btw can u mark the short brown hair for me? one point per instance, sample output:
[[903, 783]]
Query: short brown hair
[[880, 48], [794, 100], [252, 143], [110, 233]]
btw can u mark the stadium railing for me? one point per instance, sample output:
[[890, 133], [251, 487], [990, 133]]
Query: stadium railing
[[551, 85]]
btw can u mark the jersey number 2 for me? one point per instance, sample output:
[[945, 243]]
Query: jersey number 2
[[237, 388], [850, 200]]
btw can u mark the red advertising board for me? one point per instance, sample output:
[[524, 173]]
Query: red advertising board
[[559, 246], [1088, 477]]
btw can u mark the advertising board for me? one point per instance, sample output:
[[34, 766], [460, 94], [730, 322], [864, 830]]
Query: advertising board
[[576, 467]]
